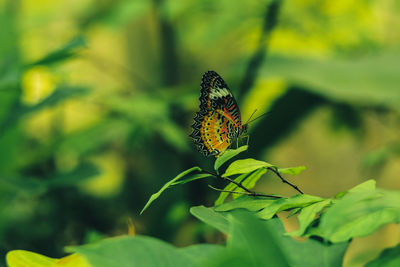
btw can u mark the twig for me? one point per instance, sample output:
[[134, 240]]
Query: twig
[[284, 180], [254, 194], [230, 180]]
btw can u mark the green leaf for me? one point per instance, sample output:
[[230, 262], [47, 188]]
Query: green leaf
[[250, 181], [245, 202], [338, 79], [307, 216], [88, 140], [202, 253], [231, 258], [193, 177], [25, 185], [16, 258], [245, 166], [266, 236], [297, 201], [359, 213], [132, 251], [366, 186], [292, 170], [167, 185], [388, 258], [229, 187], [294, 212], [247, 180], [298, 253], [227, 155], [255, 239], [21, 258], [211, 217], [254, 234], [65, 52], [60, 94]]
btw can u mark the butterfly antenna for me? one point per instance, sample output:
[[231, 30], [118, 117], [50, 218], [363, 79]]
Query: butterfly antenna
[[266, 113], [251, 116]]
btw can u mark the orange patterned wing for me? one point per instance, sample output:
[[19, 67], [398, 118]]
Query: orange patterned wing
[[216, 95], [214, 133], [218, 121]]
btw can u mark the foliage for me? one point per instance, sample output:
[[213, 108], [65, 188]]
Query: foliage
[[252, 241], [389, 257], [329, 224], [251, 171], [99, 94]]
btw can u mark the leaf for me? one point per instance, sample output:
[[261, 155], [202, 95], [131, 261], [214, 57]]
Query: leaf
[[245, 202], [211, 217], [88, 140], [231, 258], [298, 253], [245, 166], [366, 186], [359, 213], [21, 258], [66, 52], [307, 216], [26, 185], [250, 181], [17, 258], [193, 177], [202, 253], [311, 253], [167, 185], [297, 201], [229, 187], [390, 257], [255, 239], [132, 251], [292, 170], [294, 212], [227, 155], [339, 79], [60, 94], [247, 180]]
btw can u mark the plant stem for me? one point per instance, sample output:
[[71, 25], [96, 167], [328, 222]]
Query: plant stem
[[284, 180], [230, 180], [254, 194]]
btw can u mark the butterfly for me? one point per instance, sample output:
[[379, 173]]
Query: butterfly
[[218, 122]]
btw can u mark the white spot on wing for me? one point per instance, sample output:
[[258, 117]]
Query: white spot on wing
[[220, 92]]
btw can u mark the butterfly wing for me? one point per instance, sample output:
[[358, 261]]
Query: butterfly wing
[[217, 123], [216, 95], [211, 133]]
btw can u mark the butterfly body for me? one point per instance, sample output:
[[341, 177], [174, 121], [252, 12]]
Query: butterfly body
[[218, 122]]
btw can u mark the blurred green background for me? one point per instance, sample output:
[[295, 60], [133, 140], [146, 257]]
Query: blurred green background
[[97, 99]]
